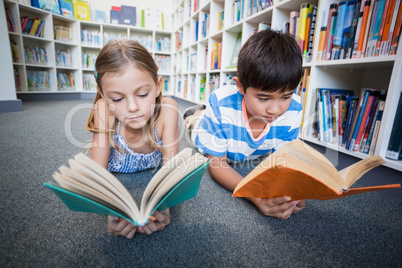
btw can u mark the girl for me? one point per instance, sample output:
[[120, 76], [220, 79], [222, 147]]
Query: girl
[[133, 127]]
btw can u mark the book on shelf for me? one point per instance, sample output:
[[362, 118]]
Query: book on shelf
[[14, 52], [86, 186], [300, 172], [100, 16], [396, 33], [293, 21], [65, 81], [82, 10], [347, 45], [339, 27], [310, 34], [394, 148], [305, 9], [10, 21], [38, 80], [67, 8], [331, 34], [49, 5], [236, 49], [202, 88], [362, 29], [385, 23], [328, 38], [115, 15], [128, 15], [346, 32], [389, 26], [371, 46]]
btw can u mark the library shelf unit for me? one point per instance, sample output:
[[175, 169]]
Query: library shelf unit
[[383, 72], [83, 46]]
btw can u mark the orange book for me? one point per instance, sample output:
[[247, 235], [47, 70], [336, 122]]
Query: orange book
[[368, 8], [299, 171], [381, 43], [219, 55], [397, 32], [386, 20]]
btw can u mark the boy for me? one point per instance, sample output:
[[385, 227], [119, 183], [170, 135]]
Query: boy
[[257, 116]]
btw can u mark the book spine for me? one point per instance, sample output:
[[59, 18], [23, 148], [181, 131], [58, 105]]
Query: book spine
[[353, 28], [310, 43], [331, 35], [377, 26], [369, 124], [370, 135], [384, 30], [340, 22], [351, 113], [397, 32], [357, 52], [363, 123], [323, 31], [377, 127], [305, 9], [292, 20], [370, 32], [356, 118], [394, 148], [387, 46], [320, 119]]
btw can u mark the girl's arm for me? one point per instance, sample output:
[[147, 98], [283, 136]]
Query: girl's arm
[[278, 207], [170, 132], [100, 150]]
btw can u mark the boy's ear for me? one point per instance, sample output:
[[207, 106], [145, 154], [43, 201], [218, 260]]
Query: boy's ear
[[159, 86], [238, 85]]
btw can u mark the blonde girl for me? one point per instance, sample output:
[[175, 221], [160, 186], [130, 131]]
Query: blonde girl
[[134, 127]]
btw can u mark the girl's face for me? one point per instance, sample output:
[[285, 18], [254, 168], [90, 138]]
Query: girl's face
[[131, 96]]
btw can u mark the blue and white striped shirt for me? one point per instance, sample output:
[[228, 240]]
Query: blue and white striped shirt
[[224, 129]]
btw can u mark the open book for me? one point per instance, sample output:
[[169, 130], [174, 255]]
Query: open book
[[299, 171], [88, 187]]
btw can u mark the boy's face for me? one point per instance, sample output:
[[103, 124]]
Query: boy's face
[[265, 106]]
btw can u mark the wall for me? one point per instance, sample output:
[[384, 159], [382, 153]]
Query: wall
[[8, 96], [165, 5]]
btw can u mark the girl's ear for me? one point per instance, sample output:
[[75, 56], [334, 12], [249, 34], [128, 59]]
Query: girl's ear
[[159, 86], [238, 85]]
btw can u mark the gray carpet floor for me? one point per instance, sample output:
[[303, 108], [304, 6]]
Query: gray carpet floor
[[211, 230]]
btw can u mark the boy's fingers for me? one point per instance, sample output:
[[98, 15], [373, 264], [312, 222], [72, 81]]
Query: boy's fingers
[[280, 200]]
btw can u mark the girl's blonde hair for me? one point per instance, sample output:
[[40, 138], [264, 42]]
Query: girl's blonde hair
[[114, 58]]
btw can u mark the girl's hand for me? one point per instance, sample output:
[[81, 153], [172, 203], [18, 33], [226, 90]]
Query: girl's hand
[[278, 207], [162, 219], [121, 227]]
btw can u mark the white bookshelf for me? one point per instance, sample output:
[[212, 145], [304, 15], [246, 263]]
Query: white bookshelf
[[76, 46], [384, 72]]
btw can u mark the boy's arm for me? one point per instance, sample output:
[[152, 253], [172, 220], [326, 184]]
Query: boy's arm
[[279, 207]]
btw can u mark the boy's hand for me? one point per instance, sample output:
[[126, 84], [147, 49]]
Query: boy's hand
[[279, 207], [162, 219]]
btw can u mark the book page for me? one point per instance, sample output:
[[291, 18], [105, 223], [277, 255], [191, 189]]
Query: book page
[[172, 179], [105, 178], [98, 196], [308, 154], [354, 172], [168, 167]]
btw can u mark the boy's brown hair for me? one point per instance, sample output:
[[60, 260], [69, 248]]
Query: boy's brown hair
[[270, 61]]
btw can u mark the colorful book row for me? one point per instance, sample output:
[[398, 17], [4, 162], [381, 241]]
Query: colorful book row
[[350, 121], [63, 33], [64, 58], [360, 28], [35, 55], [33, 27], [38, 80], [65, 81]]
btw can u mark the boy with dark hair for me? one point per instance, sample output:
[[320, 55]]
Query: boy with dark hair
[[255, 117]]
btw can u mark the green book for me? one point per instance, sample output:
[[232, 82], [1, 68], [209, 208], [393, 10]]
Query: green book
[[86, 186]]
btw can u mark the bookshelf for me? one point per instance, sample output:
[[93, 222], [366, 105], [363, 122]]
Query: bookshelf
[[70, 48], [382, 72]]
